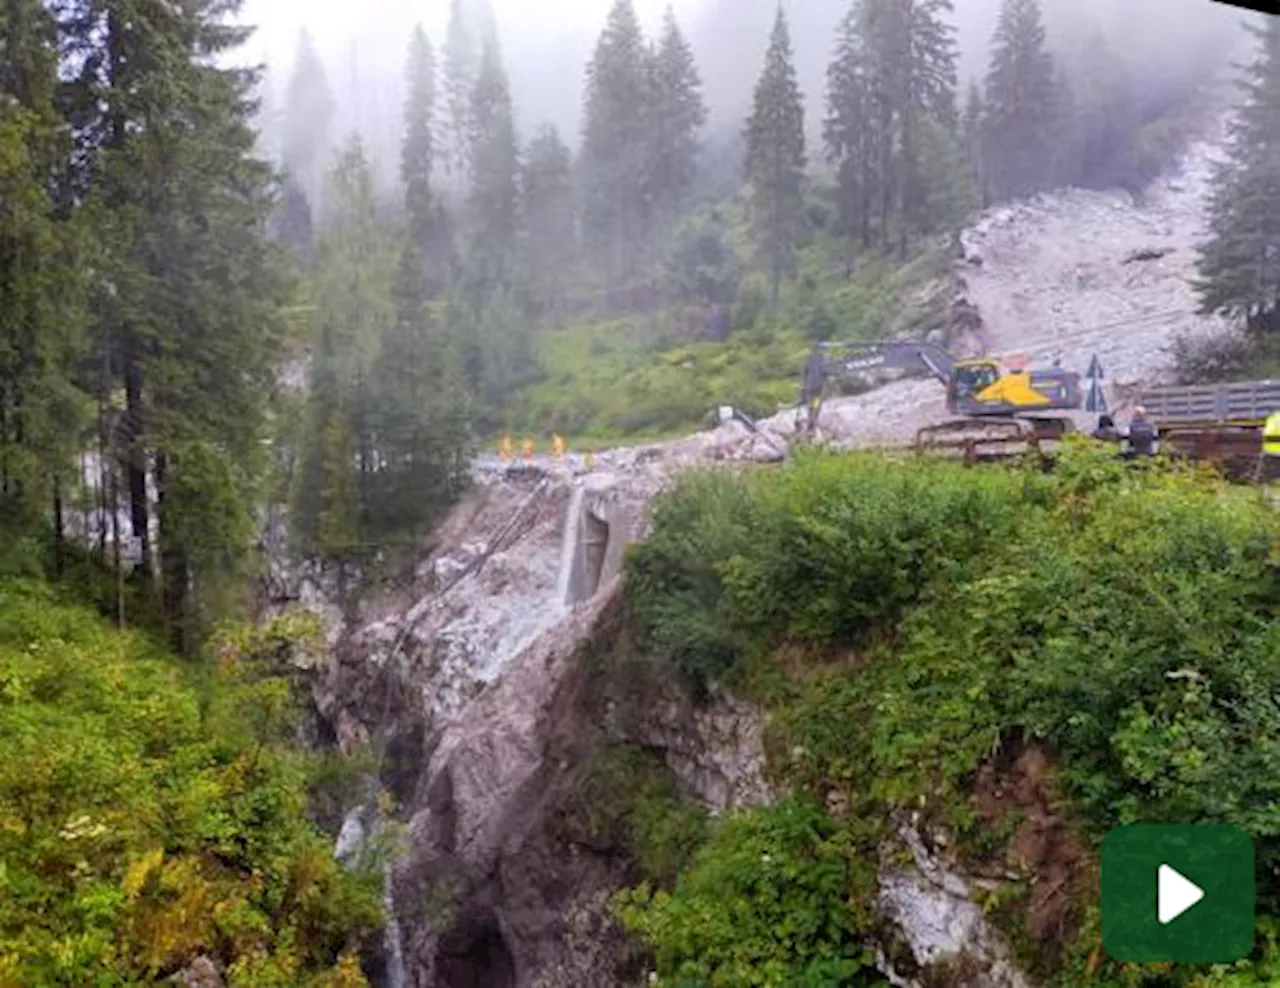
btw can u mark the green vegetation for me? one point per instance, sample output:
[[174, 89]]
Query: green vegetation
[[642, 377], [906, 624], [151, 812], [627, 799]]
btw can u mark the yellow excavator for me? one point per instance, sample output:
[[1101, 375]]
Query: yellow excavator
[[996, 403]]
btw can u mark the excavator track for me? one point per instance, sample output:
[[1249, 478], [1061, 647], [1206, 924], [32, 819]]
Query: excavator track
[[991, 437]]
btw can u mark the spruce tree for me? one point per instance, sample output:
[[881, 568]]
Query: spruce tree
[[971, 131], [615, 144], [189, 321], [417, 152], [419, 416], [1020, 104], [678, 116], [461, 65], [355, 274], [775, 158], [893, 76], [42, 287], [1101, 132], [850, 133], [550, 228], [308, 117], [494, 201], [1239, 265], [922, 66], [293, 225], [416, 419]]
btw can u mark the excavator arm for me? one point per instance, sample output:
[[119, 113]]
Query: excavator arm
[[830, 359]]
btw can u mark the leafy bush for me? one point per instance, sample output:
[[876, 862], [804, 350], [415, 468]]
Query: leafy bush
[[148, 815], [1121, 615], [629, 798], [765, 905], [834, 548]]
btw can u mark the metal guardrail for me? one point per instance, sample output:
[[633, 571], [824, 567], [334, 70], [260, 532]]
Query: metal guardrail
[[1243, 403]]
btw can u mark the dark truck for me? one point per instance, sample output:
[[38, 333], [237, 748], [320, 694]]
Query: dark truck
[[1218, 422]]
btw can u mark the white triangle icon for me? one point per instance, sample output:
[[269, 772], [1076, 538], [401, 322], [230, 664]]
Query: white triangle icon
[[1175, 894]]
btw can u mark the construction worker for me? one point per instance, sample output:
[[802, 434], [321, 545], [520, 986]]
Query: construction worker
[[557, 446], [1271, 435], [1142, 434], [526, 448], [1270, 459], [1106, 430], [504, 448]]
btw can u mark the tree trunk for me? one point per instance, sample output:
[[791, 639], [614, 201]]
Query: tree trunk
[[58, 528], [136, 468], [173, 563]]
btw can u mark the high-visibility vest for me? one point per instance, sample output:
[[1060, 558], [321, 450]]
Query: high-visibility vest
[[1271, 435]]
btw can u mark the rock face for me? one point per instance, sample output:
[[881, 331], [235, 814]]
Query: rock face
[[934, 913], [472, 671]]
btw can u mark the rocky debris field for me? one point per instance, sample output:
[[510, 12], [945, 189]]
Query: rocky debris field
[[1077, 273]]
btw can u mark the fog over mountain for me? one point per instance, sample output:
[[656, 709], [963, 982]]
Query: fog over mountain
[[547, 43]]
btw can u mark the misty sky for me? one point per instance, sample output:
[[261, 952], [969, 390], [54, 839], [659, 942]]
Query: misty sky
[[546, 45], [525, 23]]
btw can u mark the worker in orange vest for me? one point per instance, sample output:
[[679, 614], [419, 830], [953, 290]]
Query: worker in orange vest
[[527, 449], [504, 448], [557, 445]]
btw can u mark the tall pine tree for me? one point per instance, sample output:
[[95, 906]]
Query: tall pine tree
[[1101, 132], [615, 145], [891, 81], [922, 60], [971, 131], [850, 133], [42, 286], [775, 158], [356, 271], [308, 119], [188, 319], [1239, 265], [678, 116], [1020, 104], [418, 151], [550, 228], [461, 65], [494, 201]]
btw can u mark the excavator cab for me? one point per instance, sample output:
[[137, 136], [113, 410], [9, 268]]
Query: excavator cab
[[969, 379]]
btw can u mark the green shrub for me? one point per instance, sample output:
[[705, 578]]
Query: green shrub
[[831, 549], [1122, 615], [766, 904], [147, 816], [628, 797]]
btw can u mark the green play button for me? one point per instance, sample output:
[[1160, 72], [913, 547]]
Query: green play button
[[1177, 893]]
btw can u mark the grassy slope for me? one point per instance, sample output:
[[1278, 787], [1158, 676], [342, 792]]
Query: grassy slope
[[913, 628], [152, 811], [641, 377]]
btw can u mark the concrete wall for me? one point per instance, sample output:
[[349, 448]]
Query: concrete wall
[[596, 535]]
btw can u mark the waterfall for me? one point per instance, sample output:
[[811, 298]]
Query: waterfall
[[391, 941], [569, 546], [352, 843]]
